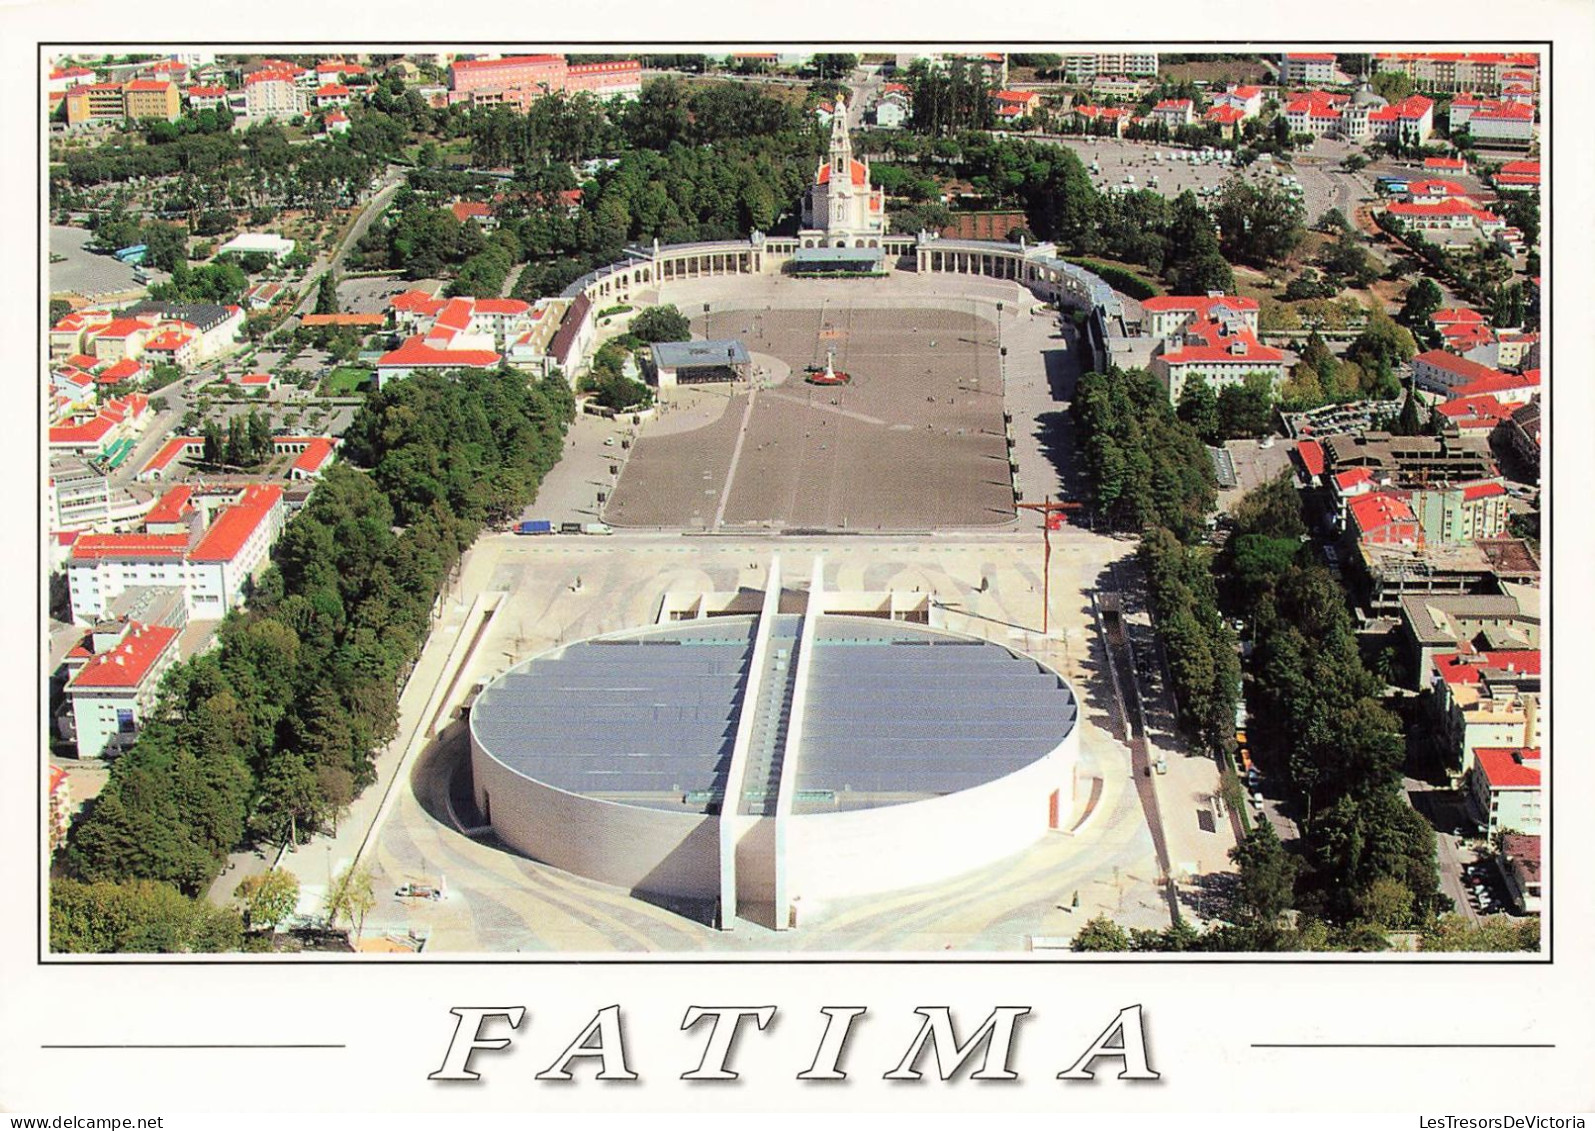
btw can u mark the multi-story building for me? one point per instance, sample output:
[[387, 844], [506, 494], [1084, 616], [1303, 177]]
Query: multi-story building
[[206, 97], [1519, 862], [210, 566], [1464, 512], [1435, 623], [1316, 112], [1221, 353], [1304, 68], [80, 496], [1493, 123], [1247, 99], [99, 102], [1410, 460], [1504, 789], [1486, 699], [1173, 112], [520, 80], [1382, 518], [1168, 315], [1452, 72], [152, 98], [113, 692], [273, 95], [1521, 431], [1083, 66]]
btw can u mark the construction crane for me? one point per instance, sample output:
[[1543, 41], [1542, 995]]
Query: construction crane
[[1052, 515]]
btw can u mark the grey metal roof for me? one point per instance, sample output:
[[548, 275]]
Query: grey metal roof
[[675, 355], [895, 712], [837, 254]]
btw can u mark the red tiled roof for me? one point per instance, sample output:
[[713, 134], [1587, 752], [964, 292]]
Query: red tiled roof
[[332, 90], [464, 210], [234, 525], [501, 306], [167, 341], [83, 360], [1173, 104], [129, 662], [1484, 490], [93, 547], [1311, 453], [1510, 767], [416, 353], [1451, 206], [1382, 508], [171, 450], [1407, 110], [1352, 477], [149, 86], [1453, 314], [91, 432], [860, 175], [1444, 163], [455, 315], [317, 452], [1309, 57], [206, 92], [1226, 115], [1217, 347], [256, 379], [120, 328], [1200, 305], [1468, 667], [1497, 383], [171, 507], [1459, 366], [1478, 410], [511, 61], [124, 370], [1502, 111], [418, 301], [1436, 188]]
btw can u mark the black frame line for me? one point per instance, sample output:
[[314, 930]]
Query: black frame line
[[44, 957]]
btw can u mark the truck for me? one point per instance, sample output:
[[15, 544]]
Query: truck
[[596, 528], [535, 526]]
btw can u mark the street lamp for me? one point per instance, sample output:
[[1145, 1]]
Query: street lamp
[[707, 336]]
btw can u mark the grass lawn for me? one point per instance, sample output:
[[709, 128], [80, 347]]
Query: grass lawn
[[346, 380]]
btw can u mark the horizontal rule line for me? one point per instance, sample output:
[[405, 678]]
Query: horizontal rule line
[[240, 1046], [1413, 1045]]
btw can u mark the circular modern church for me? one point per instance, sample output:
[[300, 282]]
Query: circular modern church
[[776, 756]]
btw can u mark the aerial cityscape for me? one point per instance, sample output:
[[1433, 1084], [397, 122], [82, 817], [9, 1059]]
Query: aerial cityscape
[[1005, 503]]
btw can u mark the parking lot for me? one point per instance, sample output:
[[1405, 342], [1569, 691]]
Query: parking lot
[[83, 272], [372, 295]]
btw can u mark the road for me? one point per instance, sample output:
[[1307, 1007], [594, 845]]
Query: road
[[1126, 692], [391, 180]]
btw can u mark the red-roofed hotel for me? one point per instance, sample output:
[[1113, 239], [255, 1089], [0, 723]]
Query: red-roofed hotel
[[1504, 789], [210, 569]]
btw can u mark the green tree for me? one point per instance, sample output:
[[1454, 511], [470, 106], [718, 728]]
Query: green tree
[[1423, 298], [351, 897], [327, 294], [267, 898], [661, 324], [1267, 877], [1199, 409], [136, 917], [1101, 934]]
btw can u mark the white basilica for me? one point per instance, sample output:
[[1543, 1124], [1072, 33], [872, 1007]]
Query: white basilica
[[841, 210]]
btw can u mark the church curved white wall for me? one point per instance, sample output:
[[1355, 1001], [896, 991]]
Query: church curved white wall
[[833, 855], [639, 849]]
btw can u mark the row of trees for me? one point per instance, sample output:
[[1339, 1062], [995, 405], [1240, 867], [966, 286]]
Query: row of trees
[[275, 731], [1147, 467], [1203, 662], [1320, 722]]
